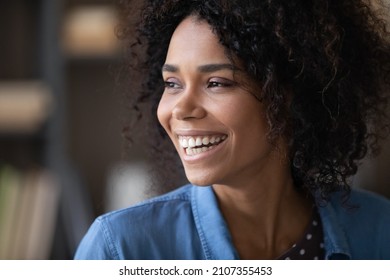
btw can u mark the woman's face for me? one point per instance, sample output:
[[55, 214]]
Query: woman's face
[[216, 125]]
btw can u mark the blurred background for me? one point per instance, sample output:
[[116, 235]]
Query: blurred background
[[62, 158]]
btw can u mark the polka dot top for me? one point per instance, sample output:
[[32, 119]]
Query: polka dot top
[[311, 245]]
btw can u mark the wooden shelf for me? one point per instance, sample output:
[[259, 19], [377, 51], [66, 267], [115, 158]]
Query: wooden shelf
[[89, 31], [24, 106]]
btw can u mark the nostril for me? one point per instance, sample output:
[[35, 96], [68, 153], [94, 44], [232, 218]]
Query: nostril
[[188, 112]]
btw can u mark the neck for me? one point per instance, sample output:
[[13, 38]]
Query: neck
[[265, 215]]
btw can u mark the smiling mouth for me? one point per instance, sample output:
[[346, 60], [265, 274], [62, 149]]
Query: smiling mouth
[[194, 145]]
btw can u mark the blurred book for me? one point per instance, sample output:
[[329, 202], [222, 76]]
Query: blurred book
[[43, 217], [24, 106], [10, 187], [89, 31], [23, 221], [29, 208]]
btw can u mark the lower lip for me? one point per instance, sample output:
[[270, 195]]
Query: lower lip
[[203, 155]]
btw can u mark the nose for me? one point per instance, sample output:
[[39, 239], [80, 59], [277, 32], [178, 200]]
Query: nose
[[189, 106]]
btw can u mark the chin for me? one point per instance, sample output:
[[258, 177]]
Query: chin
[[201, 180]]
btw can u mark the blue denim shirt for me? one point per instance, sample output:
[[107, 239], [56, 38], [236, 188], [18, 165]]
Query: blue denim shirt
[[187, 224]]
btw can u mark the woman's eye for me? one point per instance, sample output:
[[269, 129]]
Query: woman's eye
[[171, 84], [219, 83], [215, 84]]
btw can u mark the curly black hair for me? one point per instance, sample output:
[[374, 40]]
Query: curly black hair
[[323, 67]]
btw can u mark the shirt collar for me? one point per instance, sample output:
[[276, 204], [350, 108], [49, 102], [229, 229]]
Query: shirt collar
[[213, 231], [217, 242], [335, 240]]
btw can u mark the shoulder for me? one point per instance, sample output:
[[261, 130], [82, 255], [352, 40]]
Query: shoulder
[[152, 212], [365, 221], [363, 204], [167, 202], [145, 230], [367, 210]]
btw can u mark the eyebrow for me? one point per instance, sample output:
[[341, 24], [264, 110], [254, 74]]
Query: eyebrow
[[207, 68]]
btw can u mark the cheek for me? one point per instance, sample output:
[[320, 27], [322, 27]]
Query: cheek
[[238, 112], [163, 113], [248, 120]]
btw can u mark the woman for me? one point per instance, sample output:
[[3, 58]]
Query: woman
[[270, 106]]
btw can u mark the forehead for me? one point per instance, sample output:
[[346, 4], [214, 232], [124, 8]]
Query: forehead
[[194, 39]]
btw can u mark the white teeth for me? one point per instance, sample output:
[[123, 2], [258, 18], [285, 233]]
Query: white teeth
[[184, 142], [193, 145], [191, 142], [195, 151]]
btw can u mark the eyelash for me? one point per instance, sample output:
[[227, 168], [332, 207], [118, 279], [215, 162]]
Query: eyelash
[[211, 84], [168, 84]]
